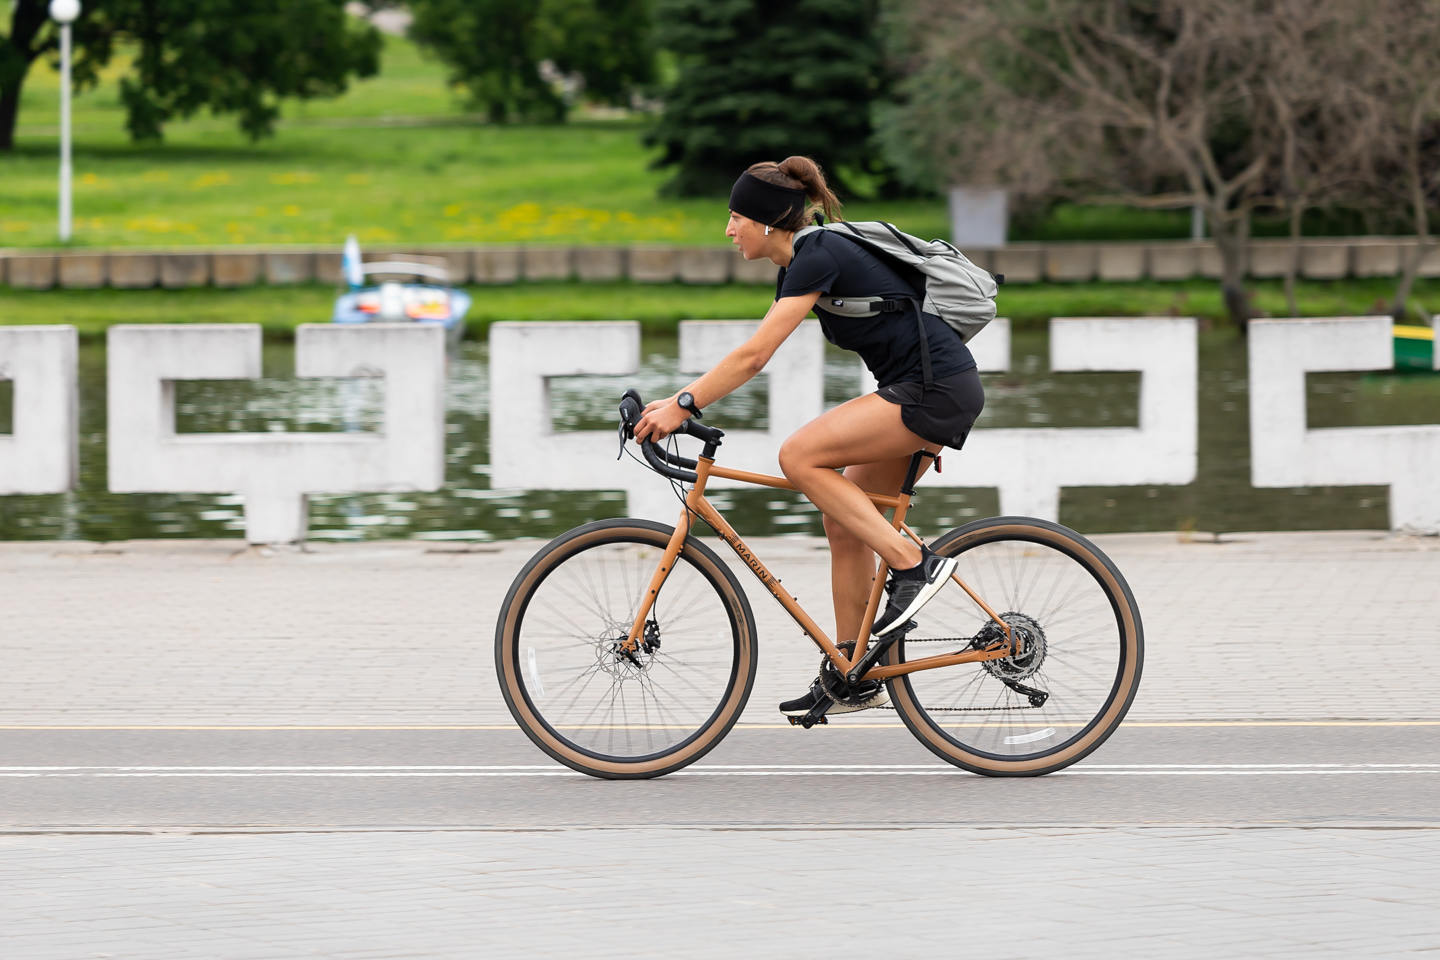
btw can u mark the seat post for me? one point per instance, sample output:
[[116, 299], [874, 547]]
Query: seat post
[[908, 487]]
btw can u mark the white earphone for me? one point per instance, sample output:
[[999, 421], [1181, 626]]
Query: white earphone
[[767, 230]]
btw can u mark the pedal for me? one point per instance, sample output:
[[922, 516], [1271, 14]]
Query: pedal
[[806, 722]]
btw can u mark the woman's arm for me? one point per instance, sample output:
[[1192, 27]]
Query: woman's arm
[[662, 417]]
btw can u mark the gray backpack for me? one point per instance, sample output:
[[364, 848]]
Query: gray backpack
[[957, 291]]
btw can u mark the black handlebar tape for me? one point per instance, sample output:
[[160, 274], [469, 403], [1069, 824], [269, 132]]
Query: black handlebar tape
[[654, 455]]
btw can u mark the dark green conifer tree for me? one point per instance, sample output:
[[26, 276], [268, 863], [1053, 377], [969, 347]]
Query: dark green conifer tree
[[764, 79]]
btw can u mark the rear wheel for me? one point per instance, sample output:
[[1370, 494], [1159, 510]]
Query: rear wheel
[[1073, 682], [586, 701]]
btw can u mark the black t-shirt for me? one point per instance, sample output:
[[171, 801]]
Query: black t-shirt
[[889, 344]]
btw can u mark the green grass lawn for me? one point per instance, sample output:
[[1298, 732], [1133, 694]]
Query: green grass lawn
[[396, 159], [400, 159], [658, 307]]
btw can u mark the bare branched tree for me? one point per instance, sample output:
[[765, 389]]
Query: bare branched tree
[[1327, 128], [1230, 105], [1397, 43]]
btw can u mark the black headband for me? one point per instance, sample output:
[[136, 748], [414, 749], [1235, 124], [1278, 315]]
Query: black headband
[[767, 203]]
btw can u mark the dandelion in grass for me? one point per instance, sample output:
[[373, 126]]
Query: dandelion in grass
[[290, 210], [453, 209], [219, 178]]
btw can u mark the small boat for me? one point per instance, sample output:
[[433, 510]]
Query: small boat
[[416, 289], [1414, 348]]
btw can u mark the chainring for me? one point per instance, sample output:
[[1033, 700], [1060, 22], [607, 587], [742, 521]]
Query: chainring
[[836, 687]]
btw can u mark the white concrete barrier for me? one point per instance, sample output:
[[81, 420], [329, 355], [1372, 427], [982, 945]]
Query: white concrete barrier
[[526, 452], [1030, 465], [274, 472], [1283, 453], [41, 453]]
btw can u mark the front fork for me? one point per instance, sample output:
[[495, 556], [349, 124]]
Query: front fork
[[647, 602]]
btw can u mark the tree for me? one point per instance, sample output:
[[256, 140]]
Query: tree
[[608, 43], [228, 56], [1149, 102], [764, 80], [495, 47], [1326, 127], [1397, 42]]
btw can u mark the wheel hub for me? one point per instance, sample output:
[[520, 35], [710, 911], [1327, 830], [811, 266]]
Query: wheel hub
[[612, 658]]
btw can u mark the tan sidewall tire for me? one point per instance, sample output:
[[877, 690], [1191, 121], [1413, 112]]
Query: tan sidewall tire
[[555, 553], [1000, 528]]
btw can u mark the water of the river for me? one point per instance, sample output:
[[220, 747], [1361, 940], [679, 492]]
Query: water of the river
[[1220, 500]]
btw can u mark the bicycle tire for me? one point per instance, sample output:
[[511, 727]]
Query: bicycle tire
[[944, 707], [612, 561]]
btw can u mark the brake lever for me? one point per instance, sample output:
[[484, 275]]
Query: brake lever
[[627, 430]]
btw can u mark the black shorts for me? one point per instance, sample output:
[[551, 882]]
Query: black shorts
[[943, 413]]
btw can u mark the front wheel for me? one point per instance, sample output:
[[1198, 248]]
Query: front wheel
[[585, 700], [1074, 680]]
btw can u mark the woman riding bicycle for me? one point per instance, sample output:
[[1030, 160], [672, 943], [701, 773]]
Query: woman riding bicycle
[[871, 438]]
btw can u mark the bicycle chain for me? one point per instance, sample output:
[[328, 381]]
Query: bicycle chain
[[965, 640]]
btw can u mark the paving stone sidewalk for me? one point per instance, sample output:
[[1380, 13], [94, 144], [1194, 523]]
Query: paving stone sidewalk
[[1294, 626], [936, 892], [1273, 625]]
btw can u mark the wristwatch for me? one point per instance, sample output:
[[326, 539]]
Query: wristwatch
[[687, 402]]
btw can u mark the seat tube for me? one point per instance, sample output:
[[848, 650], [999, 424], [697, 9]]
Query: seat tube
[[882, 570]]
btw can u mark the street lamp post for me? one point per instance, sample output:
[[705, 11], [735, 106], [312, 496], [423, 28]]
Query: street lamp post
[[64, 13]]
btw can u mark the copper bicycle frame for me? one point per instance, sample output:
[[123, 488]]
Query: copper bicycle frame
[[696, 502]]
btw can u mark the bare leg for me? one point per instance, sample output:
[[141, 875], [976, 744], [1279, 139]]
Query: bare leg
[[864, 431], [852, 563]]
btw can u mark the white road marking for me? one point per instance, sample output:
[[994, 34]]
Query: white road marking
[[720, 770], [1031, 737]]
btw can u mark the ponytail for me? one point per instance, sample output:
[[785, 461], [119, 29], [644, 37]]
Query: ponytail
[[801, 173]]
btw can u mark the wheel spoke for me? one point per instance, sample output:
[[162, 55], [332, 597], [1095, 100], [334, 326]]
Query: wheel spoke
[[1043, 581], [600, 702]]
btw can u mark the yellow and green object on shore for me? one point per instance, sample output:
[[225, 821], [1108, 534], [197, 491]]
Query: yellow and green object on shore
[[1414, 348]]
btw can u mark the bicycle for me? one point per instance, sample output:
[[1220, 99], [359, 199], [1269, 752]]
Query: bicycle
[[626, 648]]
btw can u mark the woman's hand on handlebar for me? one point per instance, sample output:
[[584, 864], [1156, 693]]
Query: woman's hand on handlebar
[[660, 419]]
